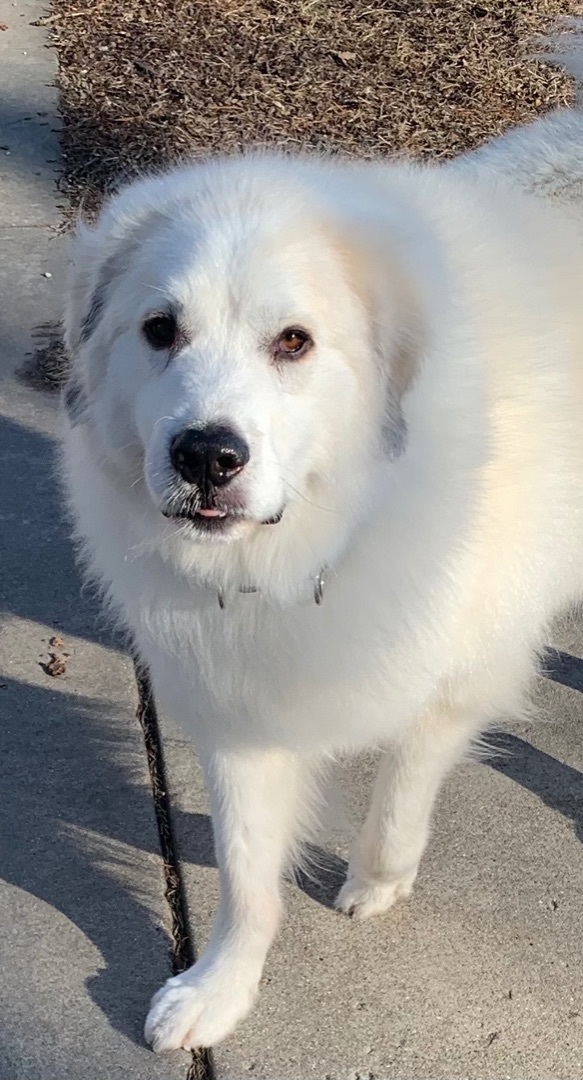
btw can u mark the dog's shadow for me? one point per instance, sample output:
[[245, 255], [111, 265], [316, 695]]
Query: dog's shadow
[[322, 876], [559, 786]]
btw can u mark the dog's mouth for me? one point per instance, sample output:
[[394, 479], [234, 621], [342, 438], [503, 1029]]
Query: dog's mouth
[[210, 520], [214, 519]]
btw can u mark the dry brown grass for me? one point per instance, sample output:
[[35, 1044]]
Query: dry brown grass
[[145, 83]]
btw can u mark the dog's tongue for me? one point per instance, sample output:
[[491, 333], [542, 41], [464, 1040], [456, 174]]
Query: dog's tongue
[[211, 513]]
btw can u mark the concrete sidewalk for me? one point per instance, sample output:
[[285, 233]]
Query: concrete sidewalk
[[478, 977], [83, 919]]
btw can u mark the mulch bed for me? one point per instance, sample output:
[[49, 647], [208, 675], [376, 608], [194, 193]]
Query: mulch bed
[[145, 83]]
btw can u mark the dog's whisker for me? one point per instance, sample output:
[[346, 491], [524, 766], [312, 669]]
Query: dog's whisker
[[129, 446], [155, 288], [324, 509]]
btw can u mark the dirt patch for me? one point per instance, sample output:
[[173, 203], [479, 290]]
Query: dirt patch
[[145, 84]]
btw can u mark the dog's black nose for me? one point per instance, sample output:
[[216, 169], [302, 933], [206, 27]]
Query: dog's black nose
[[208, 457]]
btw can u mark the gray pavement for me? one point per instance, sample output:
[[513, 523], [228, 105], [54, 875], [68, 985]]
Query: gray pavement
[[478, 977], [83, 919]]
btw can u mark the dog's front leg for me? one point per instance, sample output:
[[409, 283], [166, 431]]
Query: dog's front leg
[[256, 804], [385, 859]]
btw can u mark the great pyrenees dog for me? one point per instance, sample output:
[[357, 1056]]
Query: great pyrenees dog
[[324, 451]]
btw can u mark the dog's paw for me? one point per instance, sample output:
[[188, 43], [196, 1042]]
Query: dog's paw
[[363, 899], [194, 1012]]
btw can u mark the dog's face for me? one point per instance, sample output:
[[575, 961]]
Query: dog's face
[[227, 355], [245, 380]]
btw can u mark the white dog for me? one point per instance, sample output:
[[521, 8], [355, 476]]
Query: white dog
[[324, 451]]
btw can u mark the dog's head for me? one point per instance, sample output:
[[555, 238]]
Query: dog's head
[[243, 333]]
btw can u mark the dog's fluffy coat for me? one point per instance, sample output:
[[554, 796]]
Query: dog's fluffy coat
[[427, 453]]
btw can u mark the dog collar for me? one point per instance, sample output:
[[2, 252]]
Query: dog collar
[[319, 582]]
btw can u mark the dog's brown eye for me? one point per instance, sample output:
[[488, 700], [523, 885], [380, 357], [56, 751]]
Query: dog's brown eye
[[292, 344], [161, 331]]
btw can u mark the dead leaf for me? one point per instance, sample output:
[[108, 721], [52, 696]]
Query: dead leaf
[[56, 666]]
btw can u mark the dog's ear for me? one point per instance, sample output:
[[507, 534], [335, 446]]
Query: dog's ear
[[82, 306], [100, 253], [86, 286], [90, 273], [393, 301], [399, 322]]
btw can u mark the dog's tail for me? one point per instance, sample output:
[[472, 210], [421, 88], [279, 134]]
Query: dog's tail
[[564, 49], [545, 156]]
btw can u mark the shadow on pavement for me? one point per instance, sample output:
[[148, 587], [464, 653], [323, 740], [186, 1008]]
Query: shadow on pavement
[[558, 785], [27, 136], [73, 818], [38, 577], [71, 823], [562, 667]]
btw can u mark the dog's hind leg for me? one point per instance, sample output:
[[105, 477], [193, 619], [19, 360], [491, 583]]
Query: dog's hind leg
[[259, 800], [386, 856]]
